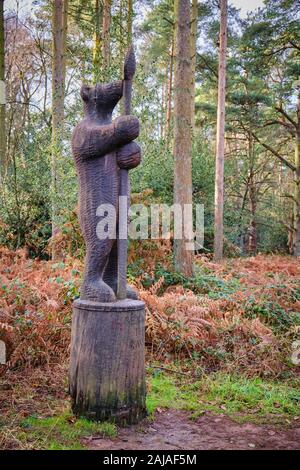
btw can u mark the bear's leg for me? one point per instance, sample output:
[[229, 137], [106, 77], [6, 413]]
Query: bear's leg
[[94, 287], [111, 273]]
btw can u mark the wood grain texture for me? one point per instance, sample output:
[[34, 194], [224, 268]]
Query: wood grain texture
[[129, 71], [107, 375], [99, 146], [107, 372]]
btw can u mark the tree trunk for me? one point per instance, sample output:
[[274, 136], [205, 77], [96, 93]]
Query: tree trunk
[[129, 22], [59, 32], [220, 143], [194, 30], [296, 245], [170, 88], [97, 49], [183, 255], [252, 242], [2, 94], [106, 39], [290, 236], [164, 91], [64, 41]]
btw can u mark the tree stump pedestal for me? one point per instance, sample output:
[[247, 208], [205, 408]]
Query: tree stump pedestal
[[107, 368]]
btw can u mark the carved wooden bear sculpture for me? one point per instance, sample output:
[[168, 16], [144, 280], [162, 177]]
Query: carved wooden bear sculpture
[[100, 147]]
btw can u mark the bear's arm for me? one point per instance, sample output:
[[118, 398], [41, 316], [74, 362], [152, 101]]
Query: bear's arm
[[92, 140]]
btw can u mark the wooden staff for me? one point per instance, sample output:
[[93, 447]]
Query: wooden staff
[[129, 71]]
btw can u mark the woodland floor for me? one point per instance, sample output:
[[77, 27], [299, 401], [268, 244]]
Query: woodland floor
[[174, 429], [219, 348]]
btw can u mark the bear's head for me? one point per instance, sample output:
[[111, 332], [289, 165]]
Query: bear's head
[[100, 100]]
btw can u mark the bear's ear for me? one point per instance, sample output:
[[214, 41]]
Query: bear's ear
[[85, 92]]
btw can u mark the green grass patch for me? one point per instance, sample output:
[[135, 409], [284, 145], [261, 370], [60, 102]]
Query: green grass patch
[[241, 394], [222, 393], [163, 393], [62, 432]]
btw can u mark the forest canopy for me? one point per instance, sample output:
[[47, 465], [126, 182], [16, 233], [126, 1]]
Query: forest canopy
[[262, 128]]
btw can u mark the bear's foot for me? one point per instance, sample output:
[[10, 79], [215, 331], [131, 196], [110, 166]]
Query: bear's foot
[[131, 293], [97, 291]]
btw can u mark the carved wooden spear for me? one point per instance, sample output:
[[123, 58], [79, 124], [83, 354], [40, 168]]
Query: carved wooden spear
[[129, 71]]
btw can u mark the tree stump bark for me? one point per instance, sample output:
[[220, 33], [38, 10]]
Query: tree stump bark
[[107, 372]]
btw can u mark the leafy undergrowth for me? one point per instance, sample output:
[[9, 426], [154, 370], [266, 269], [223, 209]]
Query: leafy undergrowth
[[35, 308], [242, 315], [239, 317]]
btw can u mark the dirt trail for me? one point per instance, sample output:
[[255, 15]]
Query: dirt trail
[[174, 430]]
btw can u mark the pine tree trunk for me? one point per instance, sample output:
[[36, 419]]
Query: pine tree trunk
[[64, 41], [129, 22], [121, 47], [164, 91], [170, 88], [97, 49], [194, 29], [2, 94], [252, 243], [296, 247], [59, 31], [252, 246], [106, 39], [183, 257], [220, 143]]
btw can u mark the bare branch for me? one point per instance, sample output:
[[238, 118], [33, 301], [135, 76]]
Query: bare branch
[[274, 152], [285, 114]]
